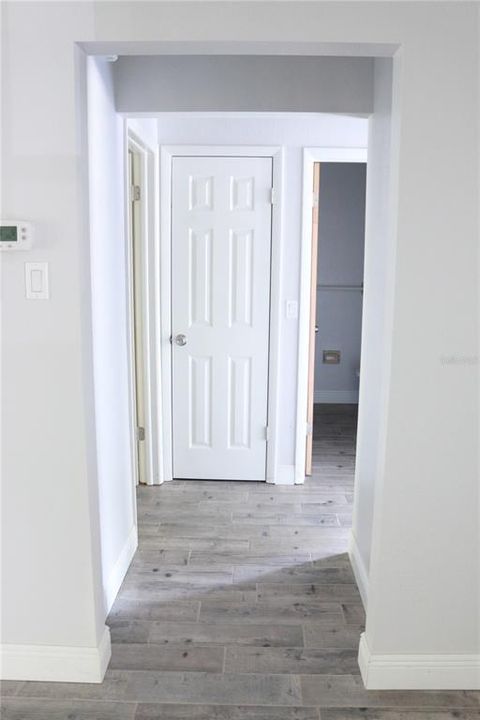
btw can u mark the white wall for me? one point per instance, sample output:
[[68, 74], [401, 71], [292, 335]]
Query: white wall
[[111, 361], [341, 237], [423, 589], [293, 133], [376, 319], [429, 460], [50, 565], [242, 83]]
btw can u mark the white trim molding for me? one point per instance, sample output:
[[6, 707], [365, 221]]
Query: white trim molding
[[119, 570], [56, 663], [310, 156], [167, 153], [418, 672], [359, 569], [147, 157], [336, 397]]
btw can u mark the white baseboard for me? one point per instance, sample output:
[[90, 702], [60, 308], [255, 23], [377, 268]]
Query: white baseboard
[[359, 569], [418, 672], [119, 570], [55, 663], [336, 397]]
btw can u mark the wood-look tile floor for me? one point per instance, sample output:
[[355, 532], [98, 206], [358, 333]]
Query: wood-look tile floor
[[240, 604]]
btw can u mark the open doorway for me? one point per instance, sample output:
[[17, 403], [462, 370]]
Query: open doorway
[[336, 295], [192, 533], [330, 322], [261, 569], [260, 535]]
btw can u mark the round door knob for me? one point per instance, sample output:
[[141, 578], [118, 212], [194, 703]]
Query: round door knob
[[181, 340]]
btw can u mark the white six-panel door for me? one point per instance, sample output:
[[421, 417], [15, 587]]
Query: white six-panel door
[[221, 247]]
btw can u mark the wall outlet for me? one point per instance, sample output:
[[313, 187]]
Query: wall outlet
[[331, 357]]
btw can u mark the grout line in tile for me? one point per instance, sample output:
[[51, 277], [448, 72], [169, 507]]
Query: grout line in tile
[[299, 680], [81, 700]]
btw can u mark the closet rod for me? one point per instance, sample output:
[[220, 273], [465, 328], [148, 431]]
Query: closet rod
[[357, 288]]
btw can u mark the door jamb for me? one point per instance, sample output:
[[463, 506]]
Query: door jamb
[[167, 153], [310, 156], [147, 160]]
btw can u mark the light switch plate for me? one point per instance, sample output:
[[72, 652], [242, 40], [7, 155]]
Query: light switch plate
[[36, 281], [292, 309]]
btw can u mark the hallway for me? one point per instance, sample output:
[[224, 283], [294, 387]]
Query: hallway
[[241, 605]]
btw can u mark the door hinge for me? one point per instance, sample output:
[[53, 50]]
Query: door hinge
[[272, 196], [309, 428], [267, 432], [140, 434], [135, 193], [314, 200]]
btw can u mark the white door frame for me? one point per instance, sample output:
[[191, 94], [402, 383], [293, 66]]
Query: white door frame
[[147, 161], [310, 156], [167, 153]]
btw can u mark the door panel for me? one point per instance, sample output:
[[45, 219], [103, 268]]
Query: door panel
[[313, 312], [221, 246]]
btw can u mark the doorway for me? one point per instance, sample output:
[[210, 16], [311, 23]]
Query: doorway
[[332, 289], [219, 270], [338, 242]]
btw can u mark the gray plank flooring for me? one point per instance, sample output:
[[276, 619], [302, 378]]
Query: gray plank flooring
[[240, 604]]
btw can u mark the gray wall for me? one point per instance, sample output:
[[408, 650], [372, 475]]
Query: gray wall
[[340, 263], [243, 83]]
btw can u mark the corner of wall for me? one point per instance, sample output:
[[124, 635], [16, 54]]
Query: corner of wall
[[54, 663], [119, 570], [417, 672], [359, 569]]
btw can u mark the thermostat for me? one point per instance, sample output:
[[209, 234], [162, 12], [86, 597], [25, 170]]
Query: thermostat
[[15, 235]]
